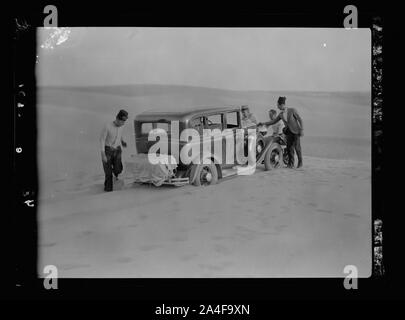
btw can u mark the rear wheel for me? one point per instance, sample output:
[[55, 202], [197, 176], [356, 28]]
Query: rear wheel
[[205, 174], [274, 157]]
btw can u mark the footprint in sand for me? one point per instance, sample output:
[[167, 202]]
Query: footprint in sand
[[243, 229], [218, 238], [179, 238], [221, 249], [48, 245], [264, 222], [217, 267], [94, 189], [188, 257], [185, 229], [79, 185], [175, 206], [143, 217], [324, 210], [295, 201], [79, 174], [98, 177], [85, 233], [202, 220], [245, 234], [150, 247], [352, 215], [119, 185], [204, 196], [124, 260], [70, 266], [211, 267], [267, 233], [281, 227]]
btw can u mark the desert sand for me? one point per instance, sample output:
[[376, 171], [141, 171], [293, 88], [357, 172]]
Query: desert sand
[[279, 223]]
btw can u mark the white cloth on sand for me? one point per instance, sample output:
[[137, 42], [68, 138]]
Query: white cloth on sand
[[152, 168]]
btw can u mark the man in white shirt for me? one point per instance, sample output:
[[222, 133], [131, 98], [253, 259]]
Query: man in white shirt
[[110, 145], [248, 119], [277, 128]]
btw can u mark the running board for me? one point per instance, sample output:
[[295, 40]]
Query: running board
[[238, 170], [229, 172], [177, 182]]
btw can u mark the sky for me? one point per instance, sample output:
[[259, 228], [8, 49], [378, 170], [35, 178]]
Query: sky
[[271, 59]]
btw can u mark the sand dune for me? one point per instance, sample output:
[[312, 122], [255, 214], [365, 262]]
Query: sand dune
[[284, 223], [293, 223]]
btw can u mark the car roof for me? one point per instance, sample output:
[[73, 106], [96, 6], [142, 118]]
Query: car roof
[[183, 115]]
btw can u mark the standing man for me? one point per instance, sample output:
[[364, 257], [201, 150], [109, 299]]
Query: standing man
[[248, 119], [294, 130], [110, 143]]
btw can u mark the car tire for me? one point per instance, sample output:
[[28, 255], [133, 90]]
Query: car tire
[[259, 147], [205, 174], [274, 157]]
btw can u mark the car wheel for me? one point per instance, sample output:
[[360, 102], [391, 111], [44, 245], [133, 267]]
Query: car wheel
[[285, 157], [205, 174], [259, 147], [274, 157]]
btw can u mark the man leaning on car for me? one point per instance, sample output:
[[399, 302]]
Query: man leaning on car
[[294, 130]]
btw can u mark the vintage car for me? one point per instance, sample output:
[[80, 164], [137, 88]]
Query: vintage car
[[213, 166]]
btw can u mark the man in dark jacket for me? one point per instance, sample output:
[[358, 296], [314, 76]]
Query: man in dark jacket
[[294, 130]]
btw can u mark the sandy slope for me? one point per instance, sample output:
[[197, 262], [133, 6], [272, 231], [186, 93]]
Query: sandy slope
[[309, 222], [337, 125], [273, 224]]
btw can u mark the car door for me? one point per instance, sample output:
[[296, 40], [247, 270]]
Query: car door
[[232, 122], [212, 122], [198, 123]]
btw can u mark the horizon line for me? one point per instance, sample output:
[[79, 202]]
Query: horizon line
[[194, 86]]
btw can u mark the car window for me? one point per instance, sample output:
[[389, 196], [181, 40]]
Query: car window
[[232, 120], [214, 121], [197, 124], [148, 126], [162, 125]]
